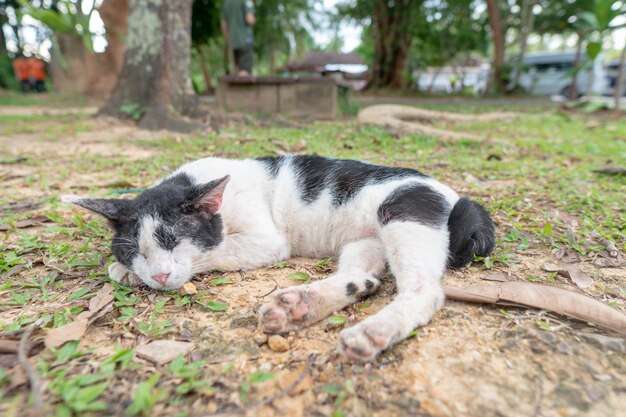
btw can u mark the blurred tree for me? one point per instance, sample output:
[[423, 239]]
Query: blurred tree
[[205, 28], [527, 20], [498, 81], [8, 9], [280, 32], [154, 86], [392, 28], [447, 33]]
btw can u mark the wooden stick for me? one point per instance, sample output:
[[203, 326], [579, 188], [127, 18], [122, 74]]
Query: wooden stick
[[22, 358]]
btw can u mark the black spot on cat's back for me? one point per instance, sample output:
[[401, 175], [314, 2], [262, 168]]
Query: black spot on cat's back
[[343, 178], [416, 202], [272, 164]]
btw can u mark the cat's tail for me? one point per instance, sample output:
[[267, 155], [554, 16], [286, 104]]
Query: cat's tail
[[471, 233]]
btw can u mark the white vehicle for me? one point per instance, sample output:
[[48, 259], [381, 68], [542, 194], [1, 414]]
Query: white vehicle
[[550, 73]]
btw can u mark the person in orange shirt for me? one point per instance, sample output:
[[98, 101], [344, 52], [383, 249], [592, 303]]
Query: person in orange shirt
[[20, 68], [37, 73]]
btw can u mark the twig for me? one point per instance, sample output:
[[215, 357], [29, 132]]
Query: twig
[[265, 295], [269, 400], [22, 358]]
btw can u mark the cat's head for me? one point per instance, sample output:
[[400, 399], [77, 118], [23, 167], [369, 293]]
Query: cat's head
[[159, 234]]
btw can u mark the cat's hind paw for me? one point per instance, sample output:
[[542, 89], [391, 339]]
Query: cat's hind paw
[[290, 309], [119, 273], [364, 341]]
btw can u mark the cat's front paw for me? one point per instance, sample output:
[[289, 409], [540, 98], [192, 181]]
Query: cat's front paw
[[364, 341], [119, 273], [290, 309]]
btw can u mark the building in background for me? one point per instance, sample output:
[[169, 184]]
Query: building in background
[[348, 69]]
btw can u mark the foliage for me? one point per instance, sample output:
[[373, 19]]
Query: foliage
[[280, 32], [205, 21], [62, 16]]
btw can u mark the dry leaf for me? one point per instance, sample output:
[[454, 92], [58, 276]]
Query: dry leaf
[[60, 335], [163, 351], [8, 346], [102, 298], [565, 302], [23, 224], [189, 289], [299, 147], [8, 360], [578, 277], [284, 146], [497, 276]]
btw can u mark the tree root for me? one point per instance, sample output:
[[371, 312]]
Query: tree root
[[405, 120]]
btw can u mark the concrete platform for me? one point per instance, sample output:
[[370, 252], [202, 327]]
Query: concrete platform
[[307, 97]]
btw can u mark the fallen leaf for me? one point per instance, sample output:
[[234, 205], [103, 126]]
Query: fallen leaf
[[578, 277], [8, 360], [189, 289], [497, 276], [102, 298], [16, 206], [550, 267], [60, 335], [8, 346], [23, 224], [163, 351], [285, 379], [284, 146], [545, 297], [299, 147]]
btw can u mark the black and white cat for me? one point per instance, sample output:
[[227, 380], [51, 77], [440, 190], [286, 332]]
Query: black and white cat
[[220, 214]]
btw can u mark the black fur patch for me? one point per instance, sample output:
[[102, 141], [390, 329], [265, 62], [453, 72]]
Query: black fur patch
[[343, 177], [164, 201], [417, 203], [369, 285], [272, 164], [472, 232], [351, 289]]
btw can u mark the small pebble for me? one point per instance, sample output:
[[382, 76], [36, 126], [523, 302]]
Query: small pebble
[[189, 289], [278, 343], [260, 338]]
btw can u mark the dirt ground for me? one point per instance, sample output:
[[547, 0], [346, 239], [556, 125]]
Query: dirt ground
[[471, 360]]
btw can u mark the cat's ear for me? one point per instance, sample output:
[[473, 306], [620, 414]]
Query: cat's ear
[[206, 197], [110, 208]]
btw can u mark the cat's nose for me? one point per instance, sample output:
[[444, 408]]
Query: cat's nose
[[161, 278]]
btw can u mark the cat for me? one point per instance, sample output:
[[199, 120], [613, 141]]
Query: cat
[[228, 215]]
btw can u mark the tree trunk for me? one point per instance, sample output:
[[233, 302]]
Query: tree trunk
[[495, 22], [208, 87], [528, 20], [579, 50], [155, 79], [392, 29], [621, 80]]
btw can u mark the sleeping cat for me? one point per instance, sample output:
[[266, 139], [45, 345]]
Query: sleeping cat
[[228, 215]]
